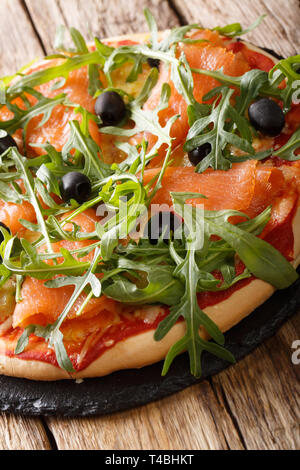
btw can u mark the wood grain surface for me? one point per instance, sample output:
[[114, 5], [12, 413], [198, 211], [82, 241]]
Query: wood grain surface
[[252, 405]]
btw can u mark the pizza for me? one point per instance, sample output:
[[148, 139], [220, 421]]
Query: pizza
[[149, 199]]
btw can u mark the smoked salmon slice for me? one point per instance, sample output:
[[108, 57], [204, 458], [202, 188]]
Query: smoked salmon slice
[[10, 213], [246, 187], [269, 184], [43, 305]]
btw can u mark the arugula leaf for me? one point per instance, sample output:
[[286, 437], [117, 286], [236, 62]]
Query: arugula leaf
[[235, 29], [176, 34], [126, 213], [30, 195], [287, 151], [189, 273], [161, 287], [223, 117], [46, 75], [43, 107], [194, 317], [93, 166], [32, 263], [288, 70], [182, 78]]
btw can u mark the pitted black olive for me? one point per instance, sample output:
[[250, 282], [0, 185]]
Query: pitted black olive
[[6, 142], [198, 153], [75, 185], [267, 117], [110, 107], [163, 223], [153, 62]]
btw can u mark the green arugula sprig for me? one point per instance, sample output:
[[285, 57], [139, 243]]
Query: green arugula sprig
[[235, 29], [44, 107], [224, 117], [126, 212], [286, 70], [194, 317], [86, 147], [30, 194], [80, 48], [287, 151], [182, 78], [51, 73], [176, 35], [31, 262], [161, 285]]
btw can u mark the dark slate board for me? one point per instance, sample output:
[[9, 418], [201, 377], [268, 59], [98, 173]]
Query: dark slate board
[[127, 389]]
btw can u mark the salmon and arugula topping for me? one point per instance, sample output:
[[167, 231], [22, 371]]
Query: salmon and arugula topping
[[140, 182]]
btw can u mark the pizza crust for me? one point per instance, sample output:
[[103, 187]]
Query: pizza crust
[[142, 350]]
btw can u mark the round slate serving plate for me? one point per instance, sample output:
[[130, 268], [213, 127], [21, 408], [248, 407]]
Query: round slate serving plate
[[127, 389]]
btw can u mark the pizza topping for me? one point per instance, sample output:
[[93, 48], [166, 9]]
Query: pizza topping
[[153, 62], [91, 264], [198, 153], [235, 29], [267, 117], [162, 225], [6, 141], [75, 185], [110, 107]]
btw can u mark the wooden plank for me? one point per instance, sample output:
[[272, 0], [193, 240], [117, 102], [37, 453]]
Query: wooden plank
[[20, 433], [191, 419], [261, 393], [18, 46], [280, 29], [19, 43], [102, 18]]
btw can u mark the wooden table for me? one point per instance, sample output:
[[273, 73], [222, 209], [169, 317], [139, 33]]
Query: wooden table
[[252, 405]]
